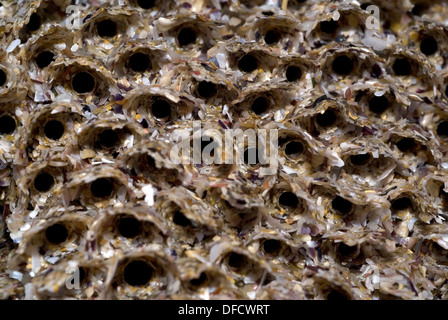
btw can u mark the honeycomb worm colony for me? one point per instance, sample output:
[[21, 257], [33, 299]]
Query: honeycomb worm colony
[[95, 206]]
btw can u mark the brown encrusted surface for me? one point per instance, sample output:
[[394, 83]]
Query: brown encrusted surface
[[355, 212]]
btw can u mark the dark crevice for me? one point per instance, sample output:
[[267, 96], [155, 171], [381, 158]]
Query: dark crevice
[[53, 129], [326, 119], [341, 205], [293, 73], [378, 104], [34, 23], [101, 187], [272, 246], [7, 124], [83, 82], [288, 200], [343, 65], [442, 129], [428, 46], [146, 4], [360, 159], [401, 204], [402, 67], [44, 59], [43, 182], [207, 89], [2, 78], [107, 29], [406, 144], [139, 62], [236, 261], [345, 250], [137, 273], [129, 227], [56, 233], [108, 138], [248, 63], [272, 37], [260, 105], [186, 36], [294, 149], [161, 108], [180, 219], [329, 27]]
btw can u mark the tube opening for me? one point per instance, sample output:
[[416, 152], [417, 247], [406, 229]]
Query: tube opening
[[54, 129], [101, 188], [43, 182], [56, 233], [137, 273], [7, 124], [83, 82], [341, 205], [248, 63]]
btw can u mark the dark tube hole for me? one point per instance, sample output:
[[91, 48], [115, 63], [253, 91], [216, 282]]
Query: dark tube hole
[[106, 29], [272, 37], [260, 105], [293, 73], [161, 108], [186, 36], [341, 205], [129, 227], [446, 89], [7, 124], [44, 59], [406, 144], [401, 204], [34, 22], [428, 46], [343, 65], [200, 281], [2, 78], [443, 194], [180, 219], [139, 62], [43, 182], [248, 63], [54, 129], [236, 260], [137, 273], [251, 156], [83, 82], [146, 4], [329, 27], [101, 187], [207, 89], [288, 200], [420, 9], [108, 138], [336, 295], [150, 161], [272, 246], [345, 250], [294, 149], [326, 119], [378, 104], [56, 233], [442, 129], [360, 159], [402, 67]]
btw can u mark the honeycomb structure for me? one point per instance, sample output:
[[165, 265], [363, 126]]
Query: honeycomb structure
[[95, 206]]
